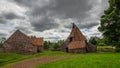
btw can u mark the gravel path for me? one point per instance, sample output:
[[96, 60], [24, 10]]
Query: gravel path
[[31, 63]]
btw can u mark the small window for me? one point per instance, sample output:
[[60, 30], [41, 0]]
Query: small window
[[71, 39]]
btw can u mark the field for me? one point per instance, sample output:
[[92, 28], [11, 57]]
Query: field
[[104, 60], [87, 60], [7, 59]]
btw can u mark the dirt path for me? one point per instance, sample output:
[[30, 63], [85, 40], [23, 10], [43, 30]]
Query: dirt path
[[37, 61]]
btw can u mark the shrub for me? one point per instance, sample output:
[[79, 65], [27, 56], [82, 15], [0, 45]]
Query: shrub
[[101, 44]]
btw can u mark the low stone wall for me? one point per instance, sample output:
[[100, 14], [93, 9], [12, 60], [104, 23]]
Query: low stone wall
[[79, 50], [1, 49]]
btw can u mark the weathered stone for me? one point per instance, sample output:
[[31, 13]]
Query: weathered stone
[[21, 43]]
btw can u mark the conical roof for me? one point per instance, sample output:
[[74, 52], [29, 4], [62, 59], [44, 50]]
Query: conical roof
[[76, 33]]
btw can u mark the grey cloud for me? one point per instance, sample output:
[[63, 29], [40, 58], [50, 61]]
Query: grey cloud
[[44, 23], [2, 35], [25, 2], [84, 25], [24, 29], [11, 15], [61, 9], [6, 16], [88, 25], [52, 38], [2, 21]]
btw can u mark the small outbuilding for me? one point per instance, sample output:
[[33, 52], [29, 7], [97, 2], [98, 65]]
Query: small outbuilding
[[77, 42], [20, 43]]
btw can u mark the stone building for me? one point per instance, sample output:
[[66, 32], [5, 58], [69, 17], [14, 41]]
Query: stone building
[[20, 43], [77, 42]]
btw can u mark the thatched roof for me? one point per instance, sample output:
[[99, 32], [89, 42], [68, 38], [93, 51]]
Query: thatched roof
[[76, 45], [76, 33], [18, 35], [78, 38], [37, 41]]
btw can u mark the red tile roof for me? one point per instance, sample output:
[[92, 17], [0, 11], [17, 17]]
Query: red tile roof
[[76, 45], [37, 41]]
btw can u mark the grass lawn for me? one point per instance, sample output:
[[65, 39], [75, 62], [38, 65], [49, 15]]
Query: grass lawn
[[6, 58], [89, 60]]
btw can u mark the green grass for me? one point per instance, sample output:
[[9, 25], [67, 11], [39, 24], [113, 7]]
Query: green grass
[[9, 57], [87, 60], [6, 58], [90, 60]]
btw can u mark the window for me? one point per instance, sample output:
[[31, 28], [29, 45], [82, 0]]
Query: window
[[71, 39]]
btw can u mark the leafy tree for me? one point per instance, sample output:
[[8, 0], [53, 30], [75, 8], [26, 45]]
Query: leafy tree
[[110, 23], [53, 45], [94, 40], [2, 40], [47, 45], [57, 45], [33, 36]]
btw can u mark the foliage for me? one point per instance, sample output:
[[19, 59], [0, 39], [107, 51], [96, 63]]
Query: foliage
[[2, 40], [110, 23], [94, 40], [101, 44], [47, 45], [33, 36], [53, 45], [98, 41]]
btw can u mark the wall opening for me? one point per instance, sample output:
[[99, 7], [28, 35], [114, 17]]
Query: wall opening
[[66, 49]]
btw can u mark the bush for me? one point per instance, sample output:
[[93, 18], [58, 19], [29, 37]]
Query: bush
[[101, 44], [117, 49], [54, 46], [1, 45]]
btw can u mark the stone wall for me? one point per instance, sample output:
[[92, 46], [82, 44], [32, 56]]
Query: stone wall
[[19, 43], [79, 50]]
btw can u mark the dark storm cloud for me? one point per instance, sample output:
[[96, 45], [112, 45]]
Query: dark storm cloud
[[85, 25], [11, 15], [5, 16], [61, 9], [88, 25], [44, 24], [72, 8]]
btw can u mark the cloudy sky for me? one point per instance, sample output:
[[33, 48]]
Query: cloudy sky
[[50, 19]]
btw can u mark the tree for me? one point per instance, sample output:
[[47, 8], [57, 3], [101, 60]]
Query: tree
[[2, 40], [94, 40], [47, 45], [55, 46], [110, 23]]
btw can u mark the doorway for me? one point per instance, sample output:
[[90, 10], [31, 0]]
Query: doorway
[[66, 49]]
